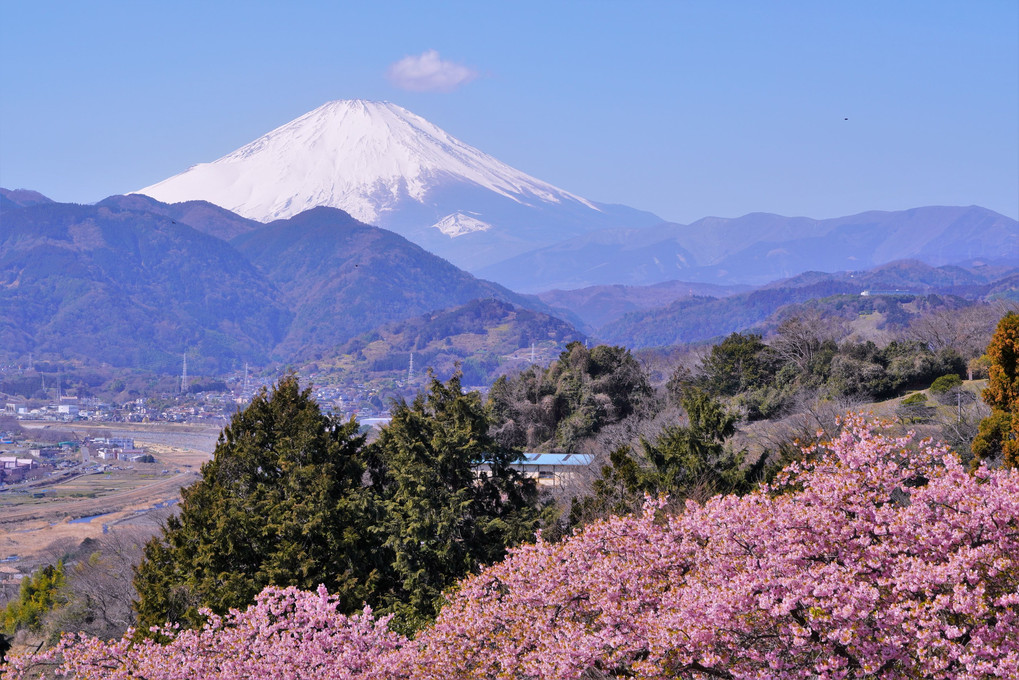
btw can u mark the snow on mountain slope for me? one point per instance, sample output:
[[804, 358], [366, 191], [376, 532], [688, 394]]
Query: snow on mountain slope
[[356, 155], [389, 167], [459, 224]]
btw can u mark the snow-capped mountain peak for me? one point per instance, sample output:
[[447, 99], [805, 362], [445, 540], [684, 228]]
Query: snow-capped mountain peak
[[391, 168], [364, 157], [459, 224]]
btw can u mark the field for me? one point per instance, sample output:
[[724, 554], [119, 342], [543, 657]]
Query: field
[[38, 523]]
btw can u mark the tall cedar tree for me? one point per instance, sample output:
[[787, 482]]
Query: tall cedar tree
[[443, 517], [1000, 431], [281, 503]]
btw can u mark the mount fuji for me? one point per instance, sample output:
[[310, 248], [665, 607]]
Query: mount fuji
[[386, 166]]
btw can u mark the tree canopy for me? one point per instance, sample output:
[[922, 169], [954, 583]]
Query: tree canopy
[[281, 503], [38, 594], [999, 432], [737, 364], [450, 499], [683, 461], [293, 497], [558, 407]]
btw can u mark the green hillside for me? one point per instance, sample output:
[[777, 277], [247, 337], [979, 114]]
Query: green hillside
[[130, 288], [485, 337], [343, 278]]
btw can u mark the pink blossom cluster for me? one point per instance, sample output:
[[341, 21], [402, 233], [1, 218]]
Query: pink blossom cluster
[[288, 634], [877, 557]]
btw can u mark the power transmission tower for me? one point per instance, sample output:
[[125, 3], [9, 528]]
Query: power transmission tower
[[184, 375]]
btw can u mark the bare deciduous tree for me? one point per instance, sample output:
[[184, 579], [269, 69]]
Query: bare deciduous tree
[[99, 593], [966, 330], [814, 418], [798, 338]]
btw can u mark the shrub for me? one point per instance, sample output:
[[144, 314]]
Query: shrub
[[946, 383]]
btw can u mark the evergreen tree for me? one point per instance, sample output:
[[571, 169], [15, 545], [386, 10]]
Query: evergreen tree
[[39, 594], [443, 516], [992, 435], [281, 503], [695, 457], [737, 364], [999, 433], [618, 491]]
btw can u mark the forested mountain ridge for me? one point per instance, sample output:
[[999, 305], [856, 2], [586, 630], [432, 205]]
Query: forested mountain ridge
[[343, 277], [201, 215], [130, 282], [135, 283], [22, 198], [596, 306], [485, 337], [130, 288]]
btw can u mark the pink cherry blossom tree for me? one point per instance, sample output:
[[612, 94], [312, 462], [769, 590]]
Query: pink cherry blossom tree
[[878, 557], [287, 634]]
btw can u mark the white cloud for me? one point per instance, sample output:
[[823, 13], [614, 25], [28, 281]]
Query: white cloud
[[428, 73]]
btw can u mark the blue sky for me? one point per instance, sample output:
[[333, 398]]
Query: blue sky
[[686, 109]]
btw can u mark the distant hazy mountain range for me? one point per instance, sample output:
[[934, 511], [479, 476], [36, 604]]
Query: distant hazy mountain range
[[760, 247], [697, 318], [386, 166]]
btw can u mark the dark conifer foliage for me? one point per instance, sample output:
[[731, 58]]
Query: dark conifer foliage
[[293, 497], [558, 407], [693, 460], [737, 364], [281, 503], [451, 501]]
